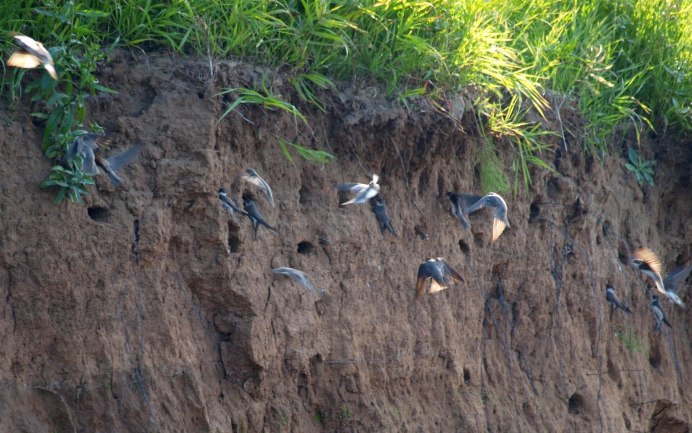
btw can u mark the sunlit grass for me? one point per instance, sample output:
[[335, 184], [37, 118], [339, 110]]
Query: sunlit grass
[[626, 62]]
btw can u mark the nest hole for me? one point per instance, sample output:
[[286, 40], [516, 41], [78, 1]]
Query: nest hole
[[575, 405], [98, 213], [305, 247], [233, 238]]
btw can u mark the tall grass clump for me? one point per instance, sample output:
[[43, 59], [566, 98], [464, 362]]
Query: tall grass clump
[[627, 63]]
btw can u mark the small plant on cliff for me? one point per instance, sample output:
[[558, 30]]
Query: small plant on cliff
[[631, 341], [642, 169], [490, 173], [345, 412], [61, 104], [264, 97], [318, 156]]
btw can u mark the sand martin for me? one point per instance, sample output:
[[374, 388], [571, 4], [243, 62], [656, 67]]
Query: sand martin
[[254, 214], [363, 192], [89, 146], [658, 313], [499, 216], [32, 54], [440, 274], [251, 176], [457, 209], [380, 210], [615, 303], [295, 275], [230, 205], [646, 261]]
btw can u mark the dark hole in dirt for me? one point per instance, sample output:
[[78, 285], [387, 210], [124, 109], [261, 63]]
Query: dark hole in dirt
[[622, 254], [233, 238], [200, 95], [343, 197], [440, 185], [305, 247], [467, 376], [303, 195], [575, 405], [463, 246], [534, 211], [98, 213], [423, 181], [598, 239], [655, 357], [553, 188], [605, 227], [628, 424]]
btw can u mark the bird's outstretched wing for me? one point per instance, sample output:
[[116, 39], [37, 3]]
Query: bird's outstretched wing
[[252, 177], [675, 278], [649, 257]]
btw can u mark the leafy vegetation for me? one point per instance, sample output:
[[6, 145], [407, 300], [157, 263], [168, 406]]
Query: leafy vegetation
[[642, 169], [626, 63], [632, 341]]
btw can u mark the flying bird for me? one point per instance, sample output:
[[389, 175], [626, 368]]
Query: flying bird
[[380, 210], [90, 148], [457, 209], [362, 192], [499, 215], [251, 176], [440, 274], [646, 261], [658, 313], [295, 275], [615, 303], [31, 55], [254, 214], [230, 205]]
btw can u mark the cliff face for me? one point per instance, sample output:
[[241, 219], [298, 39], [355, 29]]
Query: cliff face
[[150, 310]]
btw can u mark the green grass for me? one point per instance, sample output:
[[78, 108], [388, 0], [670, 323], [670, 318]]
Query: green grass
[[632, 341], [627, 63]]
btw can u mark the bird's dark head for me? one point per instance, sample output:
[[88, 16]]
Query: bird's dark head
[[222, 192]]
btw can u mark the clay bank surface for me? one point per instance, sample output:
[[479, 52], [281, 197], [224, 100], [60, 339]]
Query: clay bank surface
[[149, 309]]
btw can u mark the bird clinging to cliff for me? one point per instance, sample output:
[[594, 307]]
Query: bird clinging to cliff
[[440, 274], [458, 209], [32, 54], [614, 301], [254, 214], [295, 275], [492, 200], [380, 210], [251, 176], [90, 148], [658, 313], [646, 261], [230, 205], [363, 192]]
